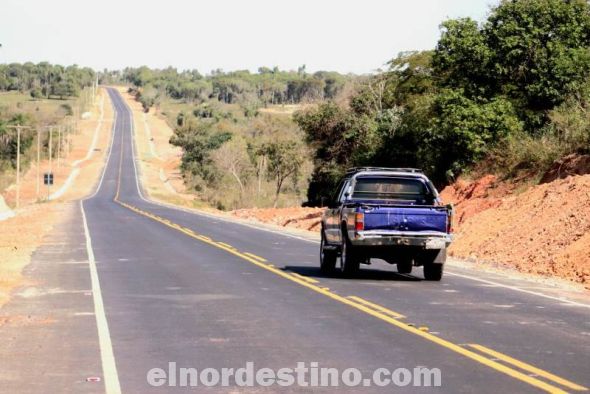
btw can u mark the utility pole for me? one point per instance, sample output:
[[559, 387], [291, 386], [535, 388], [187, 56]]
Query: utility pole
[[96, 87], [67, 132], [18, 134], [58, 147], [17, 166], [38, 159], [50, 157]]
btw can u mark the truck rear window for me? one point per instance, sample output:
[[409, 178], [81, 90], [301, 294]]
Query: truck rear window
[[389, 188]]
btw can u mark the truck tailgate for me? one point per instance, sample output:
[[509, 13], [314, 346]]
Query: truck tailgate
[[405, 219]]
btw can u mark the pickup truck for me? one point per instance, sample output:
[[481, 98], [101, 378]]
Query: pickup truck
[[393, 214]]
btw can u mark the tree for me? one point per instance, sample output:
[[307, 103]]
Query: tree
[[8, 140], [339, 139], [462, 58], [284, 162], [64, 88], [535, 52], [233, 157], [148, 97], [197, 141], [463, 130]]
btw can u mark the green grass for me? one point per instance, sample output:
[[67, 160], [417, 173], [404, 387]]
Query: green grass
[[42, 109]]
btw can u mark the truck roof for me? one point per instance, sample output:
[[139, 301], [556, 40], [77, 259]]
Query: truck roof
[[354, 170], [416, 173], [386, 171]]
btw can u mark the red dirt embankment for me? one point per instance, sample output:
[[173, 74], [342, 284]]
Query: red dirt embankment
[[543, 230]]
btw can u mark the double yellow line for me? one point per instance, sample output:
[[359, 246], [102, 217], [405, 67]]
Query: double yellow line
[[480, 354]]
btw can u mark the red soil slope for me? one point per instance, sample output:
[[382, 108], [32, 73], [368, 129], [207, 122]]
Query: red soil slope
[[544, 230]]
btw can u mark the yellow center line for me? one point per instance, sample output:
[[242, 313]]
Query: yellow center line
[[528, 367], [359, 306], [120, 167], [224, 244], [305, 278], [377, 307], [255, 257]]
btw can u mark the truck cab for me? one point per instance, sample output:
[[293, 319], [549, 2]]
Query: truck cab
[[394, 214]]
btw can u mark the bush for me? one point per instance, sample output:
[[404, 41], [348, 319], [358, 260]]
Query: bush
[[568, 132], [570, 126], [522, 151], [462, 131]]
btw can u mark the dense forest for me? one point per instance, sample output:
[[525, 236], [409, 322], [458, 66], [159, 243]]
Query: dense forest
[[266, 87], [511, 94], [44, 79]]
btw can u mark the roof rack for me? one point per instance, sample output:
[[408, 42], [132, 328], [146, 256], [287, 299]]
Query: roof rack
[[354, 170]]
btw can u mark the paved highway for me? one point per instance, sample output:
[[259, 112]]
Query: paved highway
[[130, 285]]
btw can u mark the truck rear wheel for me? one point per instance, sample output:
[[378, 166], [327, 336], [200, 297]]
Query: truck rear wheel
[[433, 271], [349, 263], [327, 257], [404, 266]]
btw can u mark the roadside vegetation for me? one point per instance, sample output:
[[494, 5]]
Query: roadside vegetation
[[37, 96], [241, 146], [509, 95]]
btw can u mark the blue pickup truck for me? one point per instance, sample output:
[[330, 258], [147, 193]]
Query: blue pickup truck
[[393, 214]]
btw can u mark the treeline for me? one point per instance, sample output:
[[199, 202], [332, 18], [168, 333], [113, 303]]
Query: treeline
[[45, 80], [512, 92], [266, 87]]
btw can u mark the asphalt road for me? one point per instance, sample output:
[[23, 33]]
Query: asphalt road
[[167, 285]]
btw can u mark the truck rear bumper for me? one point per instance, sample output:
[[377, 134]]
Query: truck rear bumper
[[426, 240]]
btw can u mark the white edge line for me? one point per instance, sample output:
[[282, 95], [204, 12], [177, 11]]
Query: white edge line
[[109, 366], [515, 288], [198, 213]]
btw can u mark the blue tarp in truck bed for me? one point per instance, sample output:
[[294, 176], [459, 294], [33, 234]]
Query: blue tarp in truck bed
[[405, 219]]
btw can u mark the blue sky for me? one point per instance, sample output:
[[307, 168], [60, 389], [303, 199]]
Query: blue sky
[[341, 35]]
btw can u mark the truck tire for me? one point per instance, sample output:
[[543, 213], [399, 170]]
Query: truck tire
[[433, 256], [349, 263], [433, 271], [404, 266], [327, 257]]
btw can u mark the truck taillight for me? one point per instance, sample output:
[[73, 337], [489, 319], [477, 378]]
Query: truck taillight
[[359, 221], [450, 221]]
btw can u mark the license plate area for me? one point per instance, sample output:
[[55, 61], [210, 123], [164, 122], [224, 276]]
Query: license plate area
[[435, 243]]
